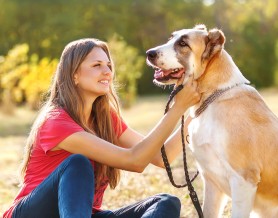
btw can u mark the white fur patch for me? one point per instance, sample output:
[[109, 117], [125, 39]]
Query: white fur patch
[[167, 56]]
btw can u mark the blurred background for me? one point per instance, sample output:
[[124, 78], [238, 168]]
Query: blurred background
[[33, 34]]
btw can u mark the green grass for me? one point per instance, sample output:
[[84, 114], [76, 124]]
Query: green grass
[[142, 117]]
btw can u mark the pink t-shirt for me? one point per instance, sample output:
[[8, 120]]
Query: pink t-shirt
[[58, 126]]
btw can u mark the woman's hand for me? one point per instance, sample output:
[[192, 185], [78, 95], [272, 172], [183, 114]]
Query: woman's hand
[[188, 96]]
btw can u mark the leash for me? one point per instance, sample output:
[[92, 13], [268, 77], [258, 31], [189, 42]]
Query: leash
[[202, 108], [192, 193]]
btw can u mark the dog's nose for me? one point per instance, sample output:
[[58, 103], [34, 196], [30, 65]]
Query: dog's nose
[[151, 54]]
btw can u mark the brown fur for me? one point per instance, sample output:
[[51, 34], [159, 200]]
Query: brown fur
[[248, 157], [254, 140]]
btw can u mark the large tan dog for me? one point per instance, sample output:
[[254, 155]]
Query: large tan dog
[[233, 134]]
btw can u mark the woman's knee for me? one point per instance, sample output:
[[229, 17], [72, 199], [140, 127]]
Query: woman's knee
[[170, 200], [80, 163], [79, 159]]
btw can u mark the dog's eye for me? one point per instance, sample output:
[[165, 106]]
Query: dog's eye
[[183, 43]]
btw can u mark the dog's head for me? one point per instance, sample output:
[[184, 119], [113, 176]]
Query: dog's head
[[187, 52]]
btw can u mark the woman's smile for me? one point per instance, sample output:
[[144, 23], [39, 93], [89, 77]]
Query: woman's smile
[[104, 82]]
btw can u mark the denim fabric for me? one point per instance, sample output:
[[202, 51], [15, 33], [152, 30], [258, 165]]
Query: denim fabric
[[157, 206], [68, 192]]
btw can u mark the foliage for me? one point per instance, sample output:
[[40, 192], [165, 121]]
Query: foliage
[[250, 26], [128, 65], [38, 79], [13, 67], [25, 79], [251, 30]]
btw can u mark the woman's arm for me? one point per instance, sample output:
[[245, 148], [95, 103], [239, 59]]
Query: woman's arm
[[173, 144], [135, 158], [139, 156]]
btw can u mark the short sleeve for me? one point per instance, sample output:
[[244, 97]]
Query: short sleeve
[[57, 127], [118, 127]]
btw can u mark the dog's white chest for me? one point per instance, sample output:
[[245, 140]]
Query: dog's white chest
[[208, 144]]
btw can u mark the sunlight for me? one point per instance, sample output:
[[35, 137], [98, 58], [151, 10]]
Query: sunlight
[[209, 2]]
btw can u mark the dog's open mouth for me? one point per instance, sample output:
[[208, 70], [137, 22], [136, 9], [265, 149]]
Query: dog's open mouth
[[162, 75]]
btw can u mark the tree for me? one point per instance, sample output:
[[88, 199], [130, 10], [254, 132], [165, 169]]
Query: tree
[[48, 25], [128, 66]]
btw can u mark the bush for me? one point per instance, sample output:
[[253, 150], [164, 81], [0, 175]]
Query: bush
[[24, 79], [13, 67]]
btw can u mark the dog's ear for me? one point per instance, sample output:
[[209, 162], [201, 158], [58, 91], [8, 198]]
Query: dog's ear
[[201, 27], [214, 43]]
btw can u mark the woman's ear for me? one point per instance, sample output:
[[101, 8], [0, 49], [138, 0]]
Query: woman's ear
[[75, 79]]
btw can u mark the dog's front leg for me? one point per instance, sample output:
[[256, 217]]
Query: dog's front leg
[[214, 200], [243, 195]]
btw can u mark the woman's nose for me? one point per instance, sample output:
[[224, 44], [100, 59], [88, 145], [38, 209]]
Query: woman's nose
[[107, 70]]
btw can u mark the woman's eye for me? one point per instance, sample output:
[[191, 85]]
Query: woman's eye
[[96, 65]]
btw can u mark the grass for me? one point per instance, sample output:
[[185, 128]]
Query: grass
[[142, 117]]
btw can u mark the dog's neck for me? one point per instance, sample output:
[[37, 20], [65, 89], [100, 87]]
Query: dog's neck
[[221, 72]]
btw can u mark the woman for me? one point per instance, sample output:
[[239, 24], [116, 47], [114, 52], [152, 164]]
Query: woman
[[79, 143]]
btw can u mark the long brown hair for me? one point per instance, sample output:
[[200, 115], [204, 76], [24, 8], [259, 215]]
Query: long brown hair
[[63, 93]]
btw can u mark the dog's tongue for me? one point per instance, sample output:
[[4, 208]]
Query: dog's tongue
[[158, 74], [164, 73], [161, 73]]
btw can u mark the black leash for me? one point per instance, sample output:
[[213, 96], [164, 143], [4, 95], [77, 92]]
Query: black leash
[[192, 193]]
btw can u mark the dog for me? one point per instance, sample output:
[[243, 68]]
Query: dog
[[233, 134]]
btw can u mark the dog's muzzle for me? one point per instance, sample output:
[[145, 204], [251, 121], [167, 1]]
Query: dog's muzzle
[[163, 75]]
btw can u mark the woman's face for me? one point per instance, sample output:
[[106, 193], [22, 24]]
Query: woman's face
[[94, 75]]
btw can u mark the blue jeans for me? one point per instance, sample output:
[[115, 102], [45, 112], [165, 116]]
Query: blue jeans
[[157, 206], [68, 192]]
